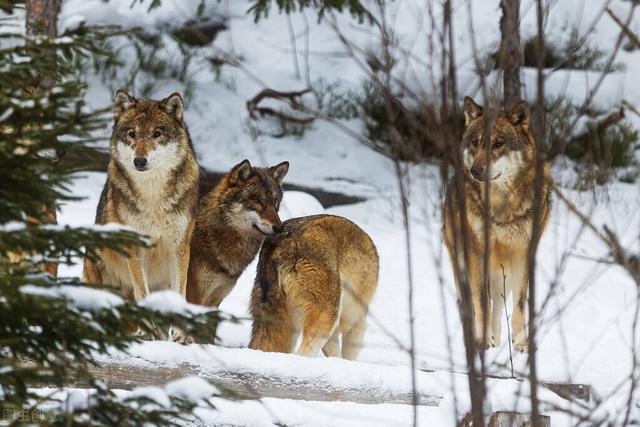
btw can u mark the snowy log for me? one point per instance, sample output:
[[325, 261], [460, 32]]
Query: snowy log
[[251, 374], [515, 419], [249, 385]]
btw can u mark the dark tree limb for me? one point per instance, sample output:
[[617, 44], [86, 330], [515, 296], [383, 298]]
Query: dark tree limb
[[510, 56], [625, 28], [292, 98]]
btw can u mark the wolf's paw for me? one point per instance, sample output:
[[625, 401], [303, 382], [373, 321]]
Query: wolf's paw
[[144, 335], [177, 335], [489, 343], [521, 343]]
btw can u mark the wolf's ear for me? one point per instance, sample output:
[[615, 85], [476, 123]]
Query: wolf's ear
[[471, 110], [123, 101], [240, 172], [520, 115], [279, 171], [173, 105]]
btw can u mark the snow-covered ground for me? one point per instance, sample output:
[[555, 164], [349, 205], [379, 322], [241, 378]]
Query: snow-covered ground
[[588, 307]]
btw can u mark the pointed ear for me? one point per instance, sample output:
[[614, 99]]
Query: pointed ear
[[240, 172], [173, 105], [123, 101], [520, 115], [471, 110], [279, 171]]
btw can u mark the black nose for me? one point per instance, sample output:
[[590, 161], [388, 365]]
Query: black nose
[[140, 162], [60, 153], [477, 171], [278, 228]]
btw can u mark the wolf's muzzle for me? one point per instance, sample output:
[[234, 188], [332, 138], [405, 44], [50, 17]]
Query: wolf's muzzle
[[140, 163]]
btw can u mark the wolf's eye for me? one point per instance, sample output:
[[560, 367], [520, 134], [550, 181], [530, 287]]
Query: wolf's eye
[[131, 133], [499, 143], [257, 201], [157, 133], [474, 142]]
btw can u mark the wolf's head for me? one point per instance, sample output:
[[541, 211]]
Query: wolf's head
[[149, 134], [252, 197], [506, 148]]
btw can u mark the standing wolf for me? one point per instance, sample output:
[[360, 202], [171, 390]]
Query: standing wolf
[[508, 163], [317, 277], [231, 224], [152, 186]]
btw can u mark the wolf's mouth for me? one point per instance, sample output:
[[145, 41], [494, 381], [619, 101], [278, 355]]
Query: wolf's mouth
[[484, 180], [260, 230]]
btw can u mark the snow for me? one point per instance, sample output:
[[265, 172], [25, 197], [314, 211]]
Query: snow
[[79, 296], [587, 307], [168, 301], [191, 388], [72, 23]]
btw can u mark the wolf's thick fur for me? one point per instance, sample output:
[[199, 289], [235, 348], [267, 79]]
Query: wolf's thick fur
[[152, 186], [316, 277], [231, 223], [509, 165]]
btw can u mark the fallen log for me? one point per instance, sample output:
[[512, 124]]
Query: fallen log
[[248, 384], [97, 161], [516, 419]]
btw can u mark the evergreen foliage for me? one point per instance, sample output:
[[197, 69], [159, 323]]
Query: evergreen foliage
[[49, 331], [260, 9]]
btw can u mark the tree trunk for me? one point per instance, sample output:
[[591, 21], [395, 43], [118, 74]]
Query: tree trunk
[[510, 57], [42, 17], [42, 20]]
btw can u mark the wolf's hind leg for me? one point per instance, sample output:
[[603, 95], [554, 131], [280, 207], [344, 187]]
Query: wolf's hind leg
[[319, 326], [332, 347], [352, 339]]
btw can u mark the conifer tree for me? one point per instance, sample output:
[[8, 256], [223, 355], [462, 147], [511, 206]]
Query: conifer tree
[[52, 329]]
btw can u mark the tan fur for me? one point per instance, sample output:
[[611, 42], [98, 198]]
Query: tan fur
[[18, 257], [511, 204], [317, 277], [159, 202], [225, 239]]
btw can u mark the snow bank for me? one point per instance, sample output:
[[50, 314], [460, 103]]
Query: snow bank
[[79, 296]]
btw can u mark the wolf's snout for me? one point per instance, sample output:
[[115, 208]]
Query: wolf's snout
[[478, 171], [140, 163]]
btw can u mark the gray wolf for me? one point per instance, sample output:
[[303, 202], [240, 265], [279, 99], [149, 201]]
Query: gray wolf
[[152, 186], [317, 277], [505, 157], [231, 223]]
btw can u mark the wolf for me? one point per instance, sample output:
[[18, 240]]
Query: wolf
[[152, 187], [231, 222], [505, 159], [318, 277]]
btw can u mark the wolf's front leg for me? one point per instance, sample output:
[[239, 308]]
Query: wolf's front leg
[[180, 262], [480, 300], [179, 274], [520, 337], [138, 276]]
